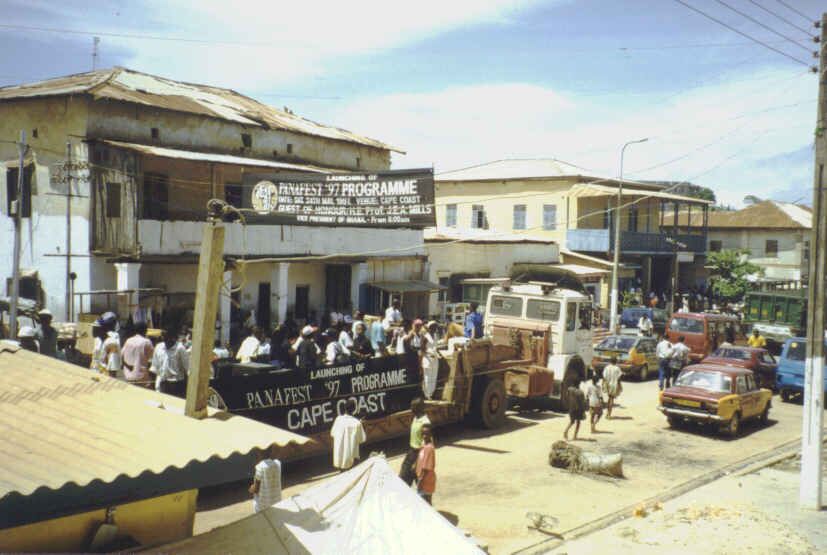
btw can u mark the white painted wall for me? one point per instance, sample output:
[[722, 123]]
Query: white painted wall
[[179, 237], [787, 265], [496, 259]]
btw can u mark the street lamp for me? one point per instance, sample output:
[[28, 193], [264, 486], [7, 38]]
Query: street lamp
[[616, 263]]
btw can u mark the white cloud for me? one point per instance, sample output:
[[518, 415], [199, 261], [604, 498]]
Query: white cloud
[[718, 134]]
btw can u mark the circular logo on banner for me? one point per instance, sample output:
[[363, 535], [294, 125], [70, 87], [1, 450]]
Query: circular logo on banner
[[265, 197]]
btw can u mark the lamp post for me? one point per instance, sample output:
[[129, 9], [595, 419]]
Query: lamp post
[[616, 263]]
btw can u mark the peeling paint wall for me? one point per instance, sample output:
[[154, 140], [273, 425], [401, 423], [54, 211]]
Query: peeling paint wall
[[134, 123]]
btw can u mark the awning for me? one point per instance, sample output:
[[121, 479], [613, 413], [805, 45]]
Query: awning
[[164, 152], [594, 190], [409, 286]]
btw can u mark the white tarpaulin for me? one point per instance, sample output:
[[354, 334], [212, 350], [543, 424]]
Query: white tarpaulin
[[367, 509]]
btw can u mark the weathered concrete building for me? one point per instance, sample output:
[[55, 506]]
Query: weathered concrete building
[[148, 154]]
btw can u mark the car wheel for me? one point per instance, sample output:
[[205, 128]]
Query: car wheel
[[734, 425], [672, 421], [644, 373], [765, 416], [786, 395]]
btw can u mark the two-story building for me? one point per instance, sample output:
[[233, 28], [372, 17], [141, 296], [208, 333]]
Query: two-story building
[[776, 236], [575, 209], [147, 153]]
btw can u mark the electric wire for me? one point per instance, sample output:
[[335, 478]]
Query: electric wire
[[767, 27], [792, 9], [750, 37], [780, 17]]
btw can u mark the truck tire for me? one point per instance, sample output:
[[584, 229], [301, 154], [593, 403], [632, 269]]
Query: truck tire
[[489, 406]]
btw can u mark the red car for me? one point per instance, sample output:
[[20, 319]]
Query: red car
[[759, 360]]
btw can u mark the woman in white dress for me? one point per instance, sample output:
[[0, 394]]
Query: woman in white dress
[[430, 362]]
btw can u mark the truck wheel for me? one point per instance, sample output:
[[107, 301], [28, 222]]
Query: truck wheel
[[734, 425], [765, 416], [785, 395], [492, 404]]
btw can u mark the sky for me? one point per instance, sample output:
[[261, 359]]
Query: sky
[[463, 82]]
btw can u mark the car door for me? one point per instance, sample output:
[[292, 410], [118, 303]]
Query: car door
[[648, 346], [747, 401]]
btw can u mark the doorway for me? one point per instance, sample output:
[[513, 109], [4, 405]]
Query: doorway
[[337, 287], [302, 302], [263, 308]]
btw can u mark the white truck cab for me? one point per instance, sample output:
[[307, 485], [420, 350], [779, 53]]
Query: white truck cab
[[541, 307]]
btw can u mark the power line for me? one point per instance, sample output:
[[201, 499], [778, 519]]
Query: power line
[[753, 39], [767, 27], [781, 18], [802, 14]]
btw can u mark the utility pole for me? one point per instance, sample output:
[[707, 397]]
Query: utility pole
[[675, 246], [616, 263], [95, 42], [813, 422], [18, 216], [68, 177], [208, 284]]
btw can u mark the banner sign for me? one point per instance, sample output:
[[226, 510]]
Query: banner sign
[[399, 198], [309, 402]]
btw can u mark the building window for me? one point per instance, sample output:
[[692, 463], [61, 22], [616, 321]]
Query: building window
[[451, 215], [247, 140], [358, 162], [549, 217], [445, 282], [715, 246], [519, 216], [289, 148], [478, 219], [25, 204], [156, 197], [633, 218], [771, 248], [232, 194], [34, 133], [113, 200], [156, 134]]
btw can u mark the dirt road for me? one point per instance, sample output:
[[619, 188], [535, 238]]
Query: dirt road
[[488, 480]]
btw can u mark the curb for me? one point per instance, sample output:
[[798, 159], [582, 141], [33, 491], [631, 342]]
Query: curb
[[748, 465]]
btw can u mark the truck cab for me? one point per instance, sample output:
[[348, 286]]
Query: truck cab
[[519, 311]]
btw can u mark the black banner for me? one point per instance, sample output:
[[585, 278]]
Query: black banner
[[308, 402], [399, 198]]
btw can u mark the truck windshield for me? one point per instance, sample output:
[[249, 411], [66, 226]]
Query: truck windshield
[[686, 325], [537, 309], [710, 381], [797, 350], [506, 306], [617, 343]]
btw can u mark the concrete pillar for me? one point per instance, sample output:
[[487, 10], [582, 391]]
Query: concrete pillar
[[128, 276], [282, 290], [275, 277], [225, 307], [358, 275]]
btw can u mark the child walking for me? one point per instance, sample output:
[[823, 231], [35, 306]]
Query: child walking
[[577, 408], [595, 396], [426, 465]]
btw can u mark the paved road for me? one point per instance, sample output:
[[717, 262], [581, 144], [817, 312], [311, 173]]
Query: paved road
[[489, 479]]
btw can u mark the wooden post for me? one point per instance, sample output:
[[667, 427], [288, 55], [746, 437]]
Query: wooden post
[[813, 421], [210, 274]]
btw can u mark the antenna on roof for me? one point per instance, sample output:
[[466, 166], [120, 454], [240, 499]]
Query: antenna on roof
[[95, 42]]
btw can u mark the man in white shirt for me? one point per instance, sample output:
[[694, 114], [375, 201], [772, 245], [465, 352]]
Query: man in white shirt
[[393, 316], [266, 486], [611, 384], [679, 359], [333, 348], [347, 433], [249, 347], [644, 326], [170, 365], [345, 339], [664, 353], [108, 345]]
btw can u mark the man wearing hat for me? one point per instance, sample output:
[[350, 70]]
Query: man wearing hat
[[26, 339], [107, 356], [46, 335], [307, 352]]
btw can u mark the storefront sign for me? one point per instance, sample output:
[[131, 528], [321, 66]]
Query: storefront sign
[[309, 402], [401, 198]]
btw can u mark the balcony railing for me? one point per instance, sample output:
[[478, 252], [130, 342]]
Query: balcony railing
[[632, 242]]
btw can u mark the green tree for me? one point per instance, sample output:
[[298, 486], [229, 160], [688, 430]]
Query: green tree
[[728, 271]]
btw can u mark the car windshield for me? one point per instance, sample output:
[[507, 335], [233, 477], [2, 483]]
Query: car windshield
[[710, 381], [738, 354], [797, 350], [686, 325], [617, 343]]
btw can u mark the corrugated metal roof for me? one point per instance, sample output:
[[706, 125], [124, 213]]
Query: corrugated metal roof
[[769, 214], [141, 88], [179, 154], [517, 168], [594, 190], [62, 425]]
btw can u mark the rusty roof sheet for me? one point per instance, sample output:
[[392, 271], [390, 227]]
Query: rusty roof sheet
[[769, 214], [141, 88], [62, 425]]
